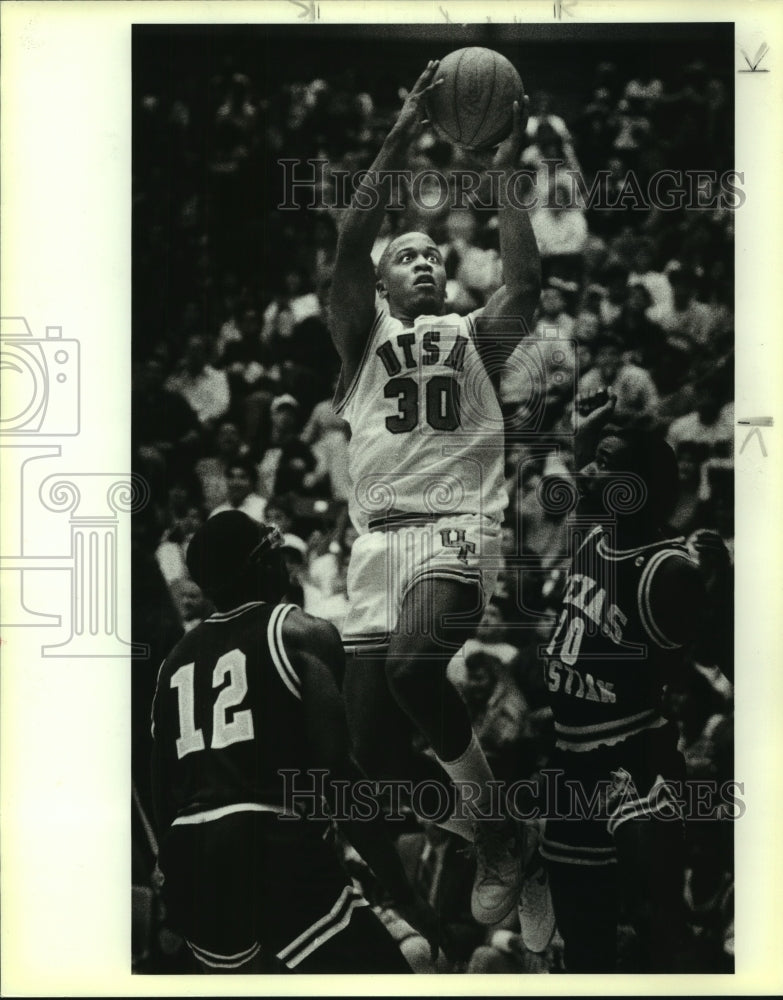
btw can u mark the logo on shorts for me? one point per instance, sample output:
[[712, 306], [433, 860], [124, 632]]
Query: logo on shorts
[[454, 538]]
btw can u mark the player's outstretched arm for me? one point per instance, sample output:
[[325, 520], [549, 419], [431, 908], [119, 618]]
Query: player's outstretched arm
[[352, 299], [517, 298]]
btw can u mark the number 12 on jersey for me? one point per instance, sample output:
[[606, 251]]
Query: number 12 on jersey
[[226, 728]]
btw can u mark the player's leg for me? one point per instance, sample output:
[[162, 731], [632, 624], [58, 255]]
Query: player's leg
[[310, 916], [581, 861], [651, 857], [363, 946], [646, 823], [209, 893], [436, 617], [382, 736], [380, 730], [585, 903]]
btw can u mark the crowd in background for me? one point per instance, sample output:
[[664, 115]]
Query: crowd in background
[[233, 374]]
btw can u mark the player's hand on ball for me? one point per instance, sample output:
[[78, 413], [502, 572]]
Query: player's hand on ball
[[508, 151], [411, 116]]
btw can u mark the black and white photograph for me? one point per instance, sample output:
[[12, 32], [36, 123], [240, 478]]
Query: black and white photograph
[[433, 372], [414, 564]]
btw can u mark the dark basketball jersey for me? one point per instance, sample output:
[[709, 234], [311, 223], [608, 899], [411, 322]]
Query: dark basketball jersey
[[608, 659], [227, 715]]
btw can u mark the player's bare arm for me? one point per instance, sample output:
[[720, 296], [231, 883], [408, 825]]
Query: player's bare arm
[[588, 430], [352, 299], [518, 296]]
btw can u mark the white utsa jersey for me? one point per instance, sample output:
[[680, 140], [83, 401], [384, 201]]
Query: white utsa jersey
[[426, 425]]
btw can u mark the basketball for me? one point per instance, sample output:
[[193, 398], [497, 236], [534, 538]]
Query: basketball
[[473, 106]]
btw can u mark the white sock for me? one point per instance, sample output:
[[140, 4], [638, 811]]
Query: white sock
[[472, 776]]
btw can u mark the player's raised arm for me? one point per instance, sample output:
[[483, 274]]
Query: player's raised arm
[[518, 296], [352, 300]]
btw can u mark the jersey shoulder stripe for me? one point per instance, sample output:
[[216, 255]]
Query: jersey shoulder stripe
[[155, 699], [274, 634], [343, 393], [227, 616], [644, 602]]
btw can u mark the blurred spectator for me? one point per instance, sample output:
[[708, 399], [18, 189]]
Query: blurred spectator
[[498, 713], [561, 233], [475, 271], [325, 583], [190, 603], [542, 531], [294, 303], [710, 427], [612, 302], [552, 318], [203, 387], [241, 482], [698, 708], [637, 397], [171, 550], [439, 867], [211, 469], [638, 333], [285, 415], [656, 283], [295, 554], [540, 114], [688, 319], [684, 517], [327, 435], [165, 428]]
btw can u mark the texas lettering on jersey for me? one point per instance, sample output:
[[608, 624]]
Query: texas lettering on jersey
[[607, 660]]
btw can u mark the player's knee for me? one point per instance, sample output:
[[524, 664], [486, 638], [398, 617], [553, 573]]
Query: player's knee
[[401, 674]]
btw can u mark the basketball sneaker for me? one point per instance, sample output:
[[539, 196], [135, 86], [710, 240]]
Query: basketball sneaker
[[498, 878], [536, 913]]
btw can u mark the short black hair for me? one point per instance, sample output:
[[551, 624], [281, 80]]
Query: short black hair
[[651, 457], [387, 250], [227, 552]]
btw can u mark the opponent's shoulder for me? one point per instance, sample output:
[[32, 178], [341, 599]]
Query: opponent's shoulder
[[671, 596], [307, 634]]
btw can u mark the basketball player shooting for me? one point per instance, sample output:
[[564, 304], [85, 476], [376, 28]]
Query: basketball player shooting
[[426, 460]]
